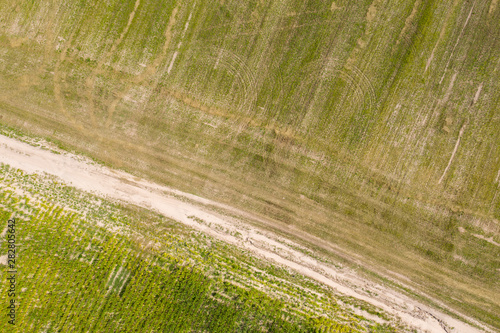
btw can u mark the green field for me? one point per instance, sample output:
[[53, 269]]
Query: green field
[[372, 125]]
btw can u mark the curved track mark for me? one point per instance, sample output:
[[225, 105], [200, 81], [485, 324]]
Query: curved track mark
[[409, 27], [150, 71], [247, 90], [90, 82]]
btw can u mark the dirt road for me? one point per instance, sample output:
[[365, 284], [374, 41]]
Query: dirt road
[[86, 175]]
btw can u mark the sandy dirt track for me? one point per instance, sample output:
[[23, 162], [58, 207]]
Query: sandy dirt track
[[83, 174]]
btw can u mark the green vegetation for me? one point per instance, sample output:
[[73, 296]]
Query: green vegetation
[[372, 125]]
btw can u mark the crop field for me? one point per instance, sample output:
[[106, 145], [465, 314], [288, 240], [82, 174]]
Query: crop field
[[372, 125], [89, 266]]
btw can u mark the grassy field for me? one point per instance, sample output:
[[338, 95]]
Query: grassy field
[[370, 124]]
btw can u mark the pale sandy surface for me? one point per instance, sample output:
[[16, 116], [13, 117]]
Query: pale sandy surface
[[117, 185]]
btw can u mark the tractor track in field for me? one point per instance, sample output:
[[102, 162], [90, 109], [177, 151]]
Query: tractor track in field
[[192, 210]]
